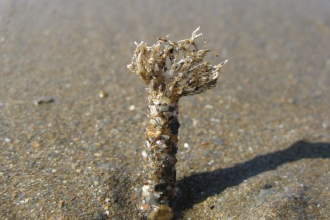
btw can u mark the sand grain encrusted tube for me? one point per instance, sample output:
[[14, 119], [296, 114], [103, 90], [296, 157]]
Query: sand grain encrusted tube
[[170, 70]]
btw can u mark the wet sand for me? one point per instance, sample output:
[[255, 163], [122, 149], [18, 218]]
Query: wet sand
[[72, 116]]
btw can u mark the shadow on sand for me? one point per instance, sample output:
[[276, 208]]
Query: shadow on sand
[[198, 187]]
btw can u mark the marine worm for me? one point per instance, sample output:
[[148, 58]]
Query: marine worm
[[170, 71]]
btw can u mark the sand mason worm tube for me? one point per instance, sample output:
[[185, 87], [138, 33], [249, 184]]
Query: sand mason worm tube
[[170, 70]]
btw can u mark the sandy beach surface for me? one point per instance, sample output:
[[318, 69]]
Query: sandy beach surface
[[73, 117]]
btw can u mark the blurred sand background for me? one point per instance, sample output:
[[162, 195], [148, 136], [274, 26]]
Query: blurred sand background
[[255, 147]]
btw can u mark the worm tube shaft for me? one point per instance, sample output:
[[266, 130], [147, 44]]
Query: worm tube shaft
[[159, 153]]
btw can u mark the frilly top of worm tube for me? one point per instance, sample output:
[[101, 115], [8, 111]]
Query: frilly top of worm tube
[[188, 74]]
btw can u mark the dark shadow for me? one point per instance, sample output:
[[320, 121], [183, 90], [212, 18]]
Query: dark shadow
[[198, 187]]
